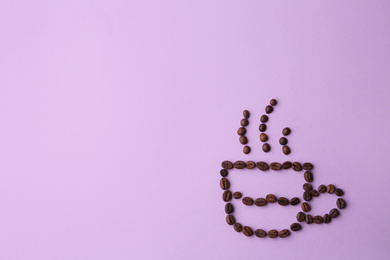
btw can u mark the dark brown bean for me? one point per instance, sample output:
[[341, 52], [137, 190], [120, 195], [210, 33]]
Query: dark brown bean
[[327, 218], [243, 139], [295, 227], [244, 122], [230, 219], [318, 219], [334, 213], [273, 102], [309, 219], [246, 113], [260, 233], [229, 209], [307, 196], [238, 227], [339, 192], [227, 165], [286, 131], [305, 207], [262, 127], [314, 193], [287, 165], [307, 187], [247, 231], [260, 202], [322, 189], [247, 201], [250, 164], [331, 188], [237, 195], [263, 166], [283, 141], [340, 203], [227, 195], [224, 183], [284, 233], [273, 233], [263, 137], [224, 173], [275, 166], [246, 149], [283, 201], [269, 109], [307, 166], [264, 118], [241, 131], [271, 198], [308, 175], [266, 147], [297, 166], [239, 164], [301, 216], [295, 201], [286, 150]]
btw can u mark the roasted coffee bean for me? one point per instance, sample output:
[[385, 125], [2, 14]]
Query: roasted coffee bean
[[237, 195], [260, 202], [309, 219], [295, 227], [269, 109], [263, 137], [283, 201], [227, 195], [246, 113], [307, 196], [224, 173], [273, 102], [331, 188], [244, 122], [230, 219], [307, 166], [247, 231], [301, 216], [238, 227], [295, 201], [327, 218], [224, 183], [314, 193], [260, 233], [246, 149], [262, 127], [307, 187], [272, 233], [275, 166], [322, 189], [286, 150], [271, 198], [308, 176], [318, 219], [250, 164], [283, 141], [297, 166], [287, 165], [284, 233], [286, 131], [339, 192], [227, 165], [239, 165], [241, 131], [334, 213], [266, 147], [264, 118], [263, 166], [340, 203], [229, 209], [305, 207], [247, 201], [243, 139]]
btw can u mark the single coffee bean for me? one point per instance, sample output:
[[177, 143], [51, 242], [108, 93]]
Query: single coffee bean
[[227, 195], [297, 166], [339, 192], [230, 219], [273, 233], [237, 195], [286, 131], [331, 188], [273, 102], [247, 231], [322, 189], [244, 122], [340, 203], [241, 131], [307, 166], [229, 209], [283, 141], [309, 219], [275, 166], [307, 187], [283, 201], [287, 165], [334, 213], [239, 164], [318, 219], [314, 193], [250, 164], [301, 216], [246, 149], [260, 202], [224, 183], [327, 218], [263, 166], [262, 127], [305, 207], [227, 165], [269, 109], [286, 150], [247, 201], [224, 173], [264, 118], [243, 139], [260, 233], [238, 227], [295, 227], [307, 196], [271, 198], [266, 147], [263, 137], [246, 113], [308, 175], [284, 233], [295, 201]]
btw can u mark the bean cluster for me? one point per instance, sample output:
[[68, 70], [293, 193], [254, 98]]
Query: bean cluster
[[263, 126], [242, 131]]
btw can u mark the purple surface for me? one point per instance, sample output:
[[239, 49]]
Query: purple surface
[[116, 115]]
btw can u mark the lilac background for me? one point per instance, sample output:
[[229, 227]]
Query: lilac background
[[116, 115]]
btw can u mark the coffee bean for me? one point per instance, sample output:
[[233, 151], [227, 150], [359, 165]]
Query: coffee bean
[[273, 102], [295, 227], [286, 150], [266, 147], [237, 195], [244, 122], [301, 216], [295, 201], [273, 233], [339, 192], [224, 173], [264, 118], [227, 195], [307, 166], [246, 149], [287, 165], [260, 233], [241, 131], [283, 201], [305, 207], [322, 189], [307, 196], [247, 201], [260, 202], [271, 198], [269, 109], [331, 188], [297, 166], [262, 128], [308, 175], [314, 193], [230, 219], [327, 218], [263, 166], [246, 113], [227, 165], [275, 166], [243, 139], [307, 187], [229, 209], [286, 131], [334, 213], [250, 164], [247, 231], [318, 219], [283, 141], [284, 233], [238, 227], [340, 203], [309, 219], [263, 137], [224, 183], [239, 164]]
